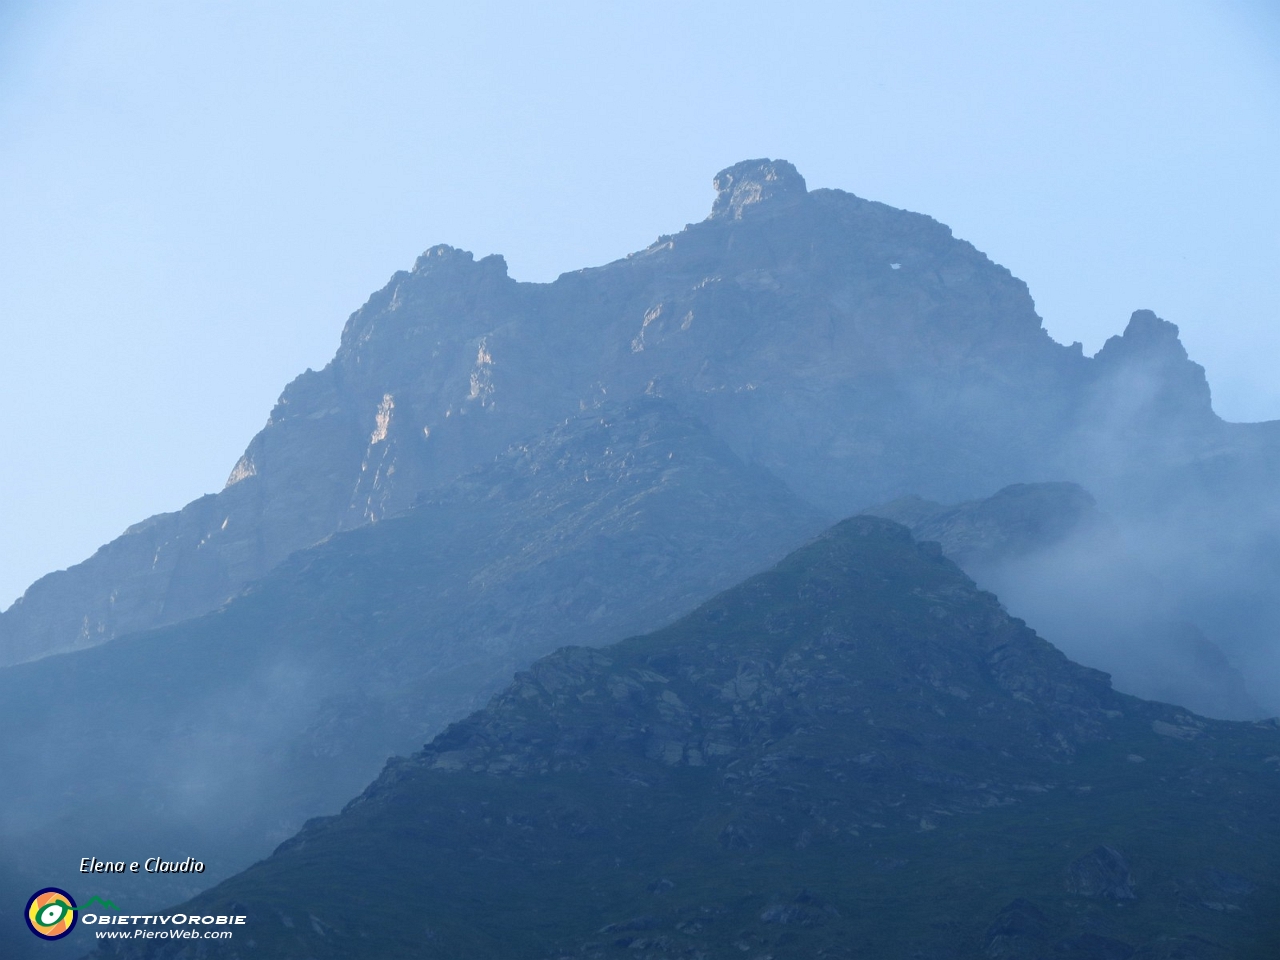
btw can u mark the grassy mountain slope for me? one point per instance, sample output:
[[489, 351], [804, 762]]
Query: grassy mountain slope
[[855, 754]]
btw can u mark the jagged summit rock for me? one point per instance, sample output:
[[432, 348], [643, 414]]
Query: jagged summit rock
[[1147, 374], [753, 182], [857, 352], [1146, 334]]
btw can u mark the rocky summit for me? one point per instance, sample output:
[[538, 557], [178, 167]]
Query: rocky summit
[[855, 754], [488, 470], [857, 352]]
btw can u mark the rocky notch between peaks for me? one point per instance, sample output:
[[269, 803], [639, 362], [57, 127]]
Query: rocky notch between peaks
[[858, 352], [857, 753]]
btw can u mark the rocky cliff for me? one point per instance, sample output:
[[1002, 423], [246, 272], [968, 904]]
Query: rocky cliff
[[858, 352], [219, 736]]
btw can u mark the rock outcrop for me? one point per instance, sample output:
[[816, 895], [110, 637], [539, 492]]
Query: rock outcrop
[[1102, 873], [858, 352]]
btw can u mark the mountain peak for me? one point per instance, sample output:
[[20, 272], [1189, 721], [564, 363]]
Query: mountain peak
[[443, 256], [1148, 334], [754, 181], [751, 773], [1149, 369]]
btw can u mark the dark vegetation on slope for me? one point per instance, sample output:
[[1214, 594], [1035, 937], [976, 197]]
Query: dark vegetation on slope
[[857, 753]]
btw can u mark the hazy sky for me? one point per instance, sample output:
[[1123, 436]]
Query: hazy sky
[[194, 196]]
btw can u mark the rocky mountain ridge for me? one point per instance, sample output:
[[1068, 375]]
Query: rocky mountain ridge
[[856, 753], [219, 736], [858, 352], [1059, 562]]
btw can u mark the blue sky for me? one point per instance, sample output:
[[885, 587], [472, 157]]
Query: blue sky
[[195, 196]]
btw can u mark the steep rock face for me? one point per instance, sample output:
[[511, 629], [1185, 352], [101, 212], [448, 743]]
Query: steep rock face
[[856, 351], [325, 461], [219, 736], [856, 753], [1059, 563], [752, 181], [1146, 373]]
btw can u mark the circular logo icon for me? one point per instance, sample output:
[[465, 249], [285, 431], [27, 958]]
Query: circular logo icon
[[51, 913]]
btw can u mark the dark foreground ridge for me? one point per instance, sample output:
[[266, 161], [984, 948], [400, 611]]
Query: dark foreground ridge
[[855, 754]]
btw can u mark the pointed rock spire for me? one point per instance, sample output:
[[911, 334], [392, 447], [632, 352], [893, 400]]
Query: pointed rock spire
[[754, 181]]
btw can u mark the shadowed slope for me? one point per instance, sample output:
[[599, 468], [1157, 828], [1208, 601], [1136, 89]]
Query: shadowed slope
[[216, 738], [854, 754]]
